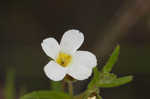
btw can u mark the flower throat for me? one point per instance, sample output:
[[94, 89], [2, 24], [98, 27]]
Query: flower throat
[[64, 59]]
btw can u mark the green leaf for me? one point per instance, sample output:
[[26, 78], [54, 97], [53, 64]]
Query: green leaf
[[115, 82], [106, 78], [95, 78], [56, 86], [112, 60], [46, 95]]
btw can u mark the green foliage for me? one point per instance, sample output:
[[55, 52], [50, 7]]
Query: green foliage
[[46, 95], [104, 79], [95, 79], [115, 82], [56, 86], [112, 60], [107, 80], [9, 90]]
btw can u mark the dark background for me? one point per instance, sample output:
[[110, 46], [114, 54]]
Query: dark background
[[105, 23]]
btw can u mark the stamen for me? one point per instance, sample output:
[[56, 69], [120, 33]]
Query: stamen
[[64, 59]]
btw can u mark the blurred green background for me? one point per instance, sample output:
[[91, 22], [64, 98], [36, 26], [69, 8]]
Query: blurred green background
[[105, 23]]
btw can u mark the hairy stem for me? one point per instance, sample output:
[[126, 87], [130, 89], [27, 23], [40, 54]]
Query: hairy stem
[[70, 88]]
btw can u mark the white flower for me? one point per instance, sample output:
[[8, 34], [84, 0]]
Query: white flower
[[66, 58]]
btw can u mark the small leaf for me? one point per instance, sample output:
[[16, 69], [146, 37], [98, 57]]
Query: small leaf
[[107, 78], [115, 82], [104, 79], [46, 95], [112, 60], [56, 86], [95, 79]]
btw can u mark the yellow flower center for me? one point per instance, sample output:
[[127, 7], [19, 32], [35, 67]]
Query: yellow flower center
[[63, 59]]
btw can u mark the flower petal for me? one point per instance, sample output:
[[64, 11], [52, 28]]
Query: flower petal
[[86, 58], [79, 72], [71, 41], [82, 64], [54, 71], [51, 47]]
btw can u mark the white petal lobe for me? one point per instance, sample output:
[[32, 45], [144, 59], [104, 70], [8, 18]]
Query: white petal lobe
[[71, 41], [54, 71], [82, 65], [86, 58], [51, 47], [79, 71]]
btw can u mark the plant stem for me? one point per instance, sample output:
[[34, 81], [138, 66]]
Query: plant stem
[[64, 85], [70, 88]]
